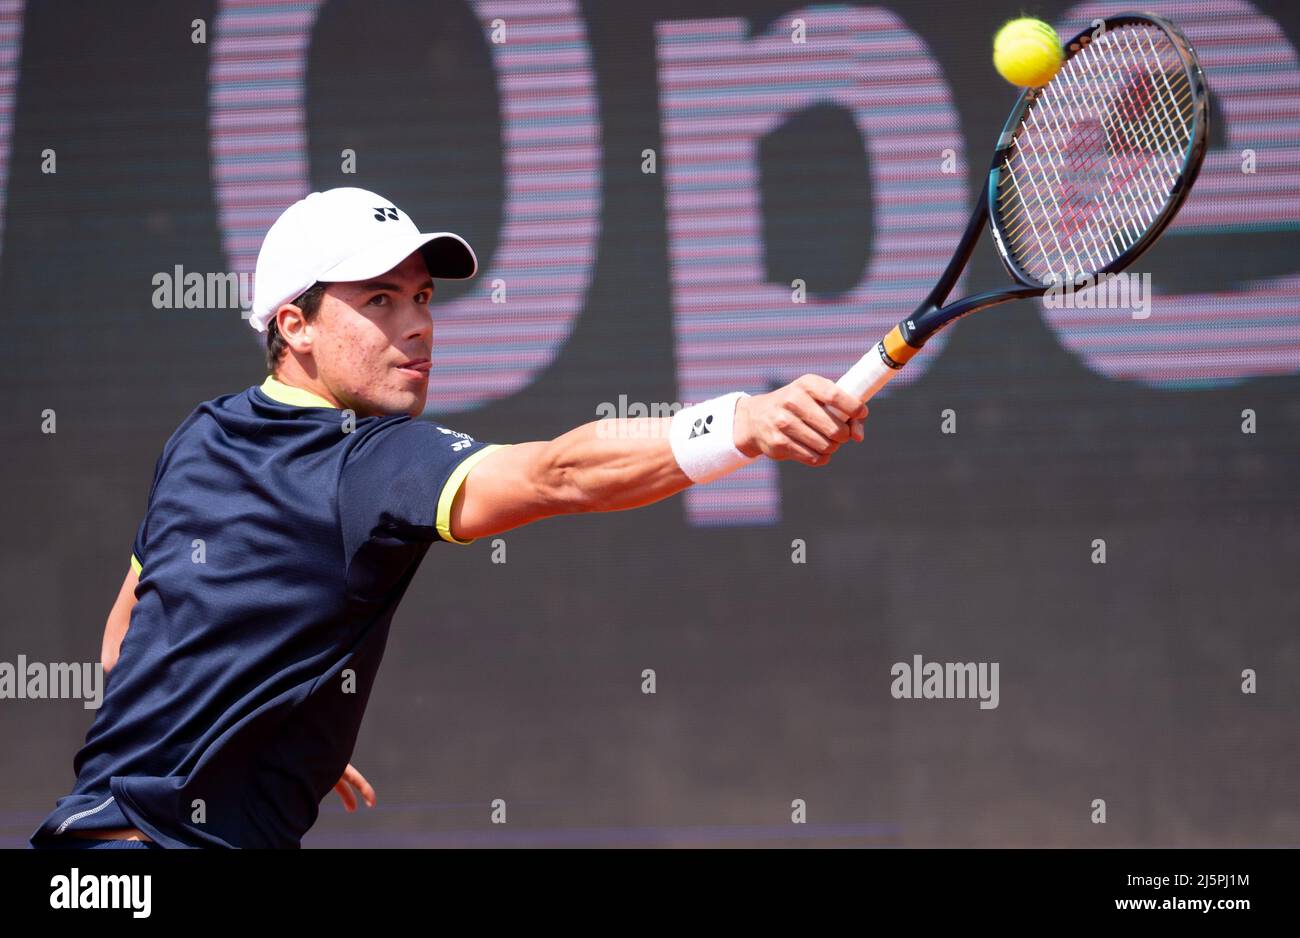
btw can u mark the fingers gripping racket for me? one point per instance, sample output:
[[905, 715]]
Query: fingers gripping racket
[[1089, 171]]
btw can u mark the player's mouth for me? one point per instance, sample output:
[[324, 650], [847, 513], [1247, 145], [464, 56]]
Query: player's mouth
[[416, 368]]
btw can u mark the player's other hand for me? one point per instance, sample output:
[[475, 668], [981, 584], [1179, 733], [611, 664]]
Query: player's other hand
[[354, 779], [792, 422]]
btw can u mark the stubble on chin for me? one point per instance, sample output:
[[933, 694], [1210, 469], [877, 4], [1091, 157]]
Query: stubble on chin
[[407, 402]]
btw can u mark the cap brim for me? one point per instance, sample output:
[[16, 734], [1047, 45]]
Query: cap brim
[[446, 255]]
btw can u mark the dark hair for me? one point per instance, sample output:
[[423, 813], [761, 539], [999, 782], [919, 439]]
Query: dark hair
[[309, 303]]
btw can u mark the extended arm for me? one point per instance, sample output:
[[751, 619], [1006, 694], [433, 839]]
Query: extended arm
[[615, 465]]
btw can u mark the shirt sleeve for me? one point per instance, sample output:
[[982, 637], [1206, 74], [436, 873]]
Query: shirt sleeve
[[401, 480], [137, 547]]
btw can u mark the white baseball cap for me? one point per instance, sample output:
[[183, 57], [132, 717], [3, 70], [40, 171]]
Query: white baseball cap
[[342, 235]]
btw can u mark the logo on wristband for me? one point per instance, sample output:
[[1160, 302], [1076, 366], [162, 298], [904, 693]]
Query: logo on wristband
[[700, 427]]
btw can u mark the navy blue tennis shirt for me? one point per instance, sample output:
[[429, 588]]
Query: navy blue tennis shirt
[[278, 541]]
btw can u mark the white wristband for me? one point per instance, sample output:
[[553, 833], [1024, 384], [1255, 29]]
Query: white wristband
[[703, 438]]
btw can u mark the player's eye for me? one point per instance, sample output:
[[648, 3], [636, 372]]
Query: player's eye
[[424, 297], [379, 299]]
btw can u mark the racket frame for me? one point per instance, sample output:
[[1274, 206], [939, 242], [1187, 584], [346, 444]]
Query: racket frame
[[878, 367], [931, 315]]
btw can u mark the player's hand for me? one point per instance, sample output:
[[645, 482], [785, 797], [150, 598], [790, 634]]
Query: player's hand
[[351, 777], [792, 422]]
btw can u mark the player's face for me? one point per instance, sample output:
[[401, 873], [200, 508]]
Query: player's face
[[374, 341]]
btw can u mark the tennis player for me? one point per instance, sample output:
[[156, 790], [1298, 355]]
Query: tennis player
[[285, 523]]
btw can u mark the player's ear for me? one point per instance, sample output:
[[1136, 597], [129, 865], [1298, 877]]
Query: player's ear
[[294, 329]]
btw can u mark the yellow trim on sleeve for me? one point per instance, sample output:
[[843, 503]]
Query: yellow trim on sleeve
[[136, 565], [295, 397], [452, 486]]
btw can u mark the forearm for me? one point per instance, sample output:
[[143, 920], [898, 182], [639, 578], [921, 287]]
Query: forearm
[[611, 465]]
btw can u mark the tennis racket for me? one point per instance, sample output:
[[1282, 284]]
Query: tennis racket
[[1087, 174]]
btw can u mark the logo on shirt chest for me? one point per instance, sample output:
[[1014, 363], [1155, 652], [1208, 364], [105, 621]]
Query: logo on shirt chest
[[464, 441]]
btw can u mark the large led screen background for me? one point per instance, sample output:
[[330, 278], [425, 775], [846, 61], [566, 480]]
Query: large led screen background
[[645, 184]]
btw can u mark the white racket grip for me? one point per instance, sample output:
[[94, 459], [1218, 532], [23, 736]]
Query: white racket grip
[[869, 375], [866, 377]]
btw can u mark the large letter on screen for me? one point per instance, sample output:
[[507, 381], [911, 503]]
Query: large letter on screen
[[11, 45], [721, 91]]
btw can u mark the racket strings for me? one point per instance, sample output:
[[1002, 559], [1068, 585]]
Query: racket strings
[[1098, 155]]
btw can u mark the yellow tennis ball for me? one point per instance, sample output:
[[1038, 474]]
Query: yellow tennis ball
[[1027, 52]]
